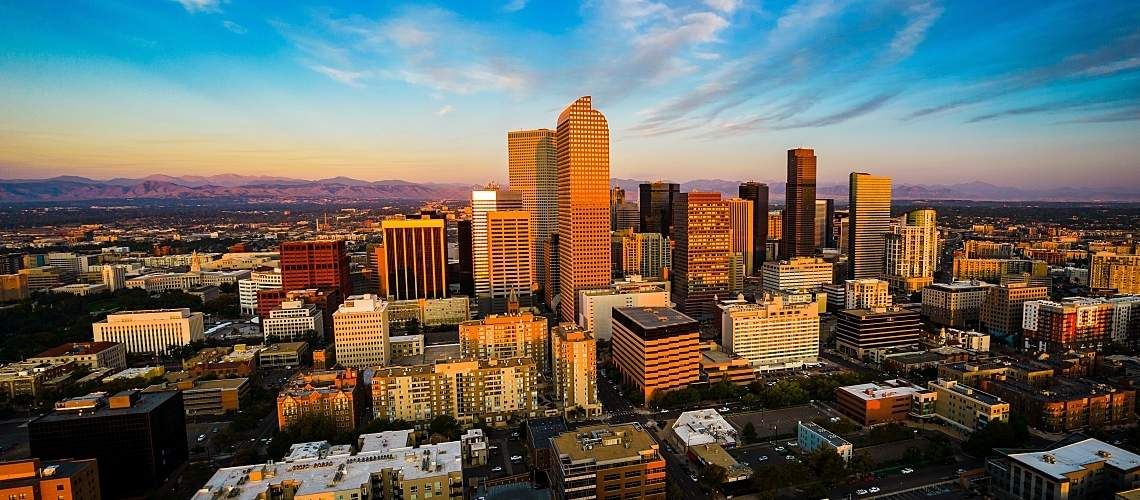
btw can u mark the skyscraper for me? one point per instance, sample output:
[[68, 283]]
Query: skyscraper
[[799, 207], [758, 193], [870, 208], [532, 165], [584, 252], [656, 200], [315, 264], [415, 259], [740, 213], [466, 275], [508, 260], [911, 249], [824, 216], [484, 201], [360, 332], [703, 252]]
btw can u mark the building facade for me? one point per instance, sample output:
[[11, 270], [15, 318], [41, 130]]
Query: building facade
[[341, 395], [315, 264], [870, 216], [151, 332], [501, 336], [956, 305], [773, 334], [293, 321], [656, 207], [655, 349], [859, 330], [757, 193], [799, 209], [415, 259], [1112, 271], [911, 251], [575, 370], [866, 293], [595, 306], [603, 461], [360, 332], [490, 391], [702, 255], [532, 167]]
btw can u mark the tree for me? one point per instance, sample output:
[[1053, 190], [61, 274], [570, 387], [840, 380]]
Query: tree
[[713, 476], [997, 434], [827, 465], [445, 425], [748, 433]]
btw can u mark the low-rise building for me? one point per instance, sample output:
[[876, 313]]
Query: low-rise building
[[776, 333], [701, 427], [340, 394], [81, 289], [293, 321], [1084, 470], [284, 355], [65, 479], [873, 404], [237, 361], [406, 345], [1066, 405], [858, 330], [489, 391], [13, 287], [604, 461], [393, 471], [719, 366], [811, 436], [965, 407], [92, 355], [31, 378], [151, 332], [214, 397]]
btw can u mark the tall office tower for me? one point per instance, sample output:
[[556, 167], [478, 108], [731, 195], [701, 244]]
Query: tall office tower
[[911, 250], [643, 254], [656, 205], [772, 334], [1109, 270], [870, 208], [502, 336], [575, 370], [483, 202], [360, 332], [508, 261], [550, 289], [627, 216], [583, 207], [466, 274], [799, 206], [758, 194], [740, 213], [839, 226], [866, 293], [703, 254], [114, 276], [617, 197], [415, 259], [532, 168], [315, 264], [824, 215]]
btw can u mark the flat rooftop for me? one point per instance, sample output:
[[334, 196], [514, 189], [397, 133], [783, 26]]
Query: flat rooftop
[[872, 391], [831, 437], [604, 443], [652, 318], [1074, 457], [147, 401], [76, 349]]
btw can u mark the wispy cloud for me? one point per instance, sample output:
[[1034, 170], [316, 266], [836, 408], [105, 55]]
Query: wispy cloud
[[347, 77], [726, 6], [234, 27], [446, 109], [515, 5], [1124, 115], [857, 110], [923, 15], [196, 6]]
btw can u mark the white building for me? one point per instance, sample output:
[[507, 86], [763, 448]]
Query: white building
[[911, 249], [774, 334], [162, 282], [595, 306], [360, 332], [81, 289], [866, 293], [811, 436], [261, 279], [800, 273], [150, 332], [699, 427], [292, 321], [114, 276]]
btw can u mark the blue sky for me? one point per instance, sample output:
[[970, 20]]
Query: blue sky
[[1027, 93]]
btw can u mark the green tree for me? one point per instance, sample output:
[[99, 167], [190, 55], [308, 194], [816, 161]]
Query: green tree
[[748, 433], [444, 425]]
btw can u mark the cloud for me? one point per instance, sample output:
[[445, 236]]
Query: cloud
[[923, 15], [515, 5], [196, 6], [855, 111], [445, 110], [234, 27], [1124, 115], [726, 6], [347, 77]]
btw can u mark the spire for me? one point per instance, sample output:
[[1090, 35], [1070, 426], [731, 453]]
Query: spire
[[195, 262], [513, 302]]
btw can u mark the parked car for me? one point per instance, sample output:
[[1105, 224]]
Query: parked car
[[780, 448], [762, 458], [516, 459], [724, 409], [907, 470], [860, 492], [496, 469], [874, 489]]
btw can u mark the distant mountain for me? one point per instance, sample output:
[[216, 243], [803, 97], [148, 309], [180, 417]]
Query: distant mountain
[[269, 188]]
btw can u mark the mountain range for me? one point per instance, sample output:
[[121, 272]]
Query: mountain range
[[268, 188]]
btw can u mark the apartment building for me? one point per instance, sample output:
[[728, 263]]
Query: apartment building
[[773, 334], [604, 461], [965, 407], [92, 355], [505, 336], [488, 391], [956, 305], [340, 394], [575, 370]]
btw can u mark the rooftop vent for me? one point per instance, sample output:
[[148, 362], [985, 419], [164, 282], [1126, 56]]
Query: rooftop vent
[[1049, 459]]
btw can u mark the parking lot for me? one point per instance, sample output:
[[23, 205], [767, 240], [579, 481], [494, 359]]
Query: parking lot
[[782, 422], [499, 464]]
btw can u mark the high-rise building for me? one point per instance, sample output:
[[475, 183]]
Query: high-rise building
[[262, 278], [595, 306], [956, 305], [656, 206], [465, 278], [138, 439], [501, 336], [643, 254], [11, 263], [150, 332], [797, 274], [508, 261], [360, 332], [32, 479], [604, 461], [532, 167], [114, 276], [866, 293], [583, 142], [315, 264], [1002, 309], [799, 206], [758, 194], [575, 370], [487, 391], [415, 259], [858, 330], [483, 202], [1074, 323], [740, 213], [627, 215], [338, 394], [293, 321], [870, 209], [655, 349], [550, 287], [824, 217], [911, 251], [1109, 270], [702, 255], [772, 334]]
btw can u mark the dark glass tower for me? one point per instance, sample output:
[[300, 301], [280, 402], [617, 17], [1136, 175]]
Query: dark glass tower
[[656, 204], [758, 193], [799, 210]]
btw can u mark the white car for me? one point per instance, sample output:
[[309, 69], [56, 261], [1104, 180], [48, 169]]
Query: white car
[[496, 469], [907, 470], [780, 448], [516, 458], [693, 477], [790, 458], [874, 489], [762, 458], [723, 409], [860, 492], [792, 443], [834, 419]]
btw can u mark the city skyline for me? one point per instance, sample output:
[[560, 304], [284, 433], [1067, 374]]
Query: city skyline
[[918, 91]]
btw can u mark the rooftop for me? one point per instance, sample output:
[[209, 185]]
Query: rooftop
[[89, 408], [605, 444], [76, 349], [227, 383], [961, 286], [385, 441], [702, 427], [1071, 458], [871, 391], [650, 318], [831, 437]]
